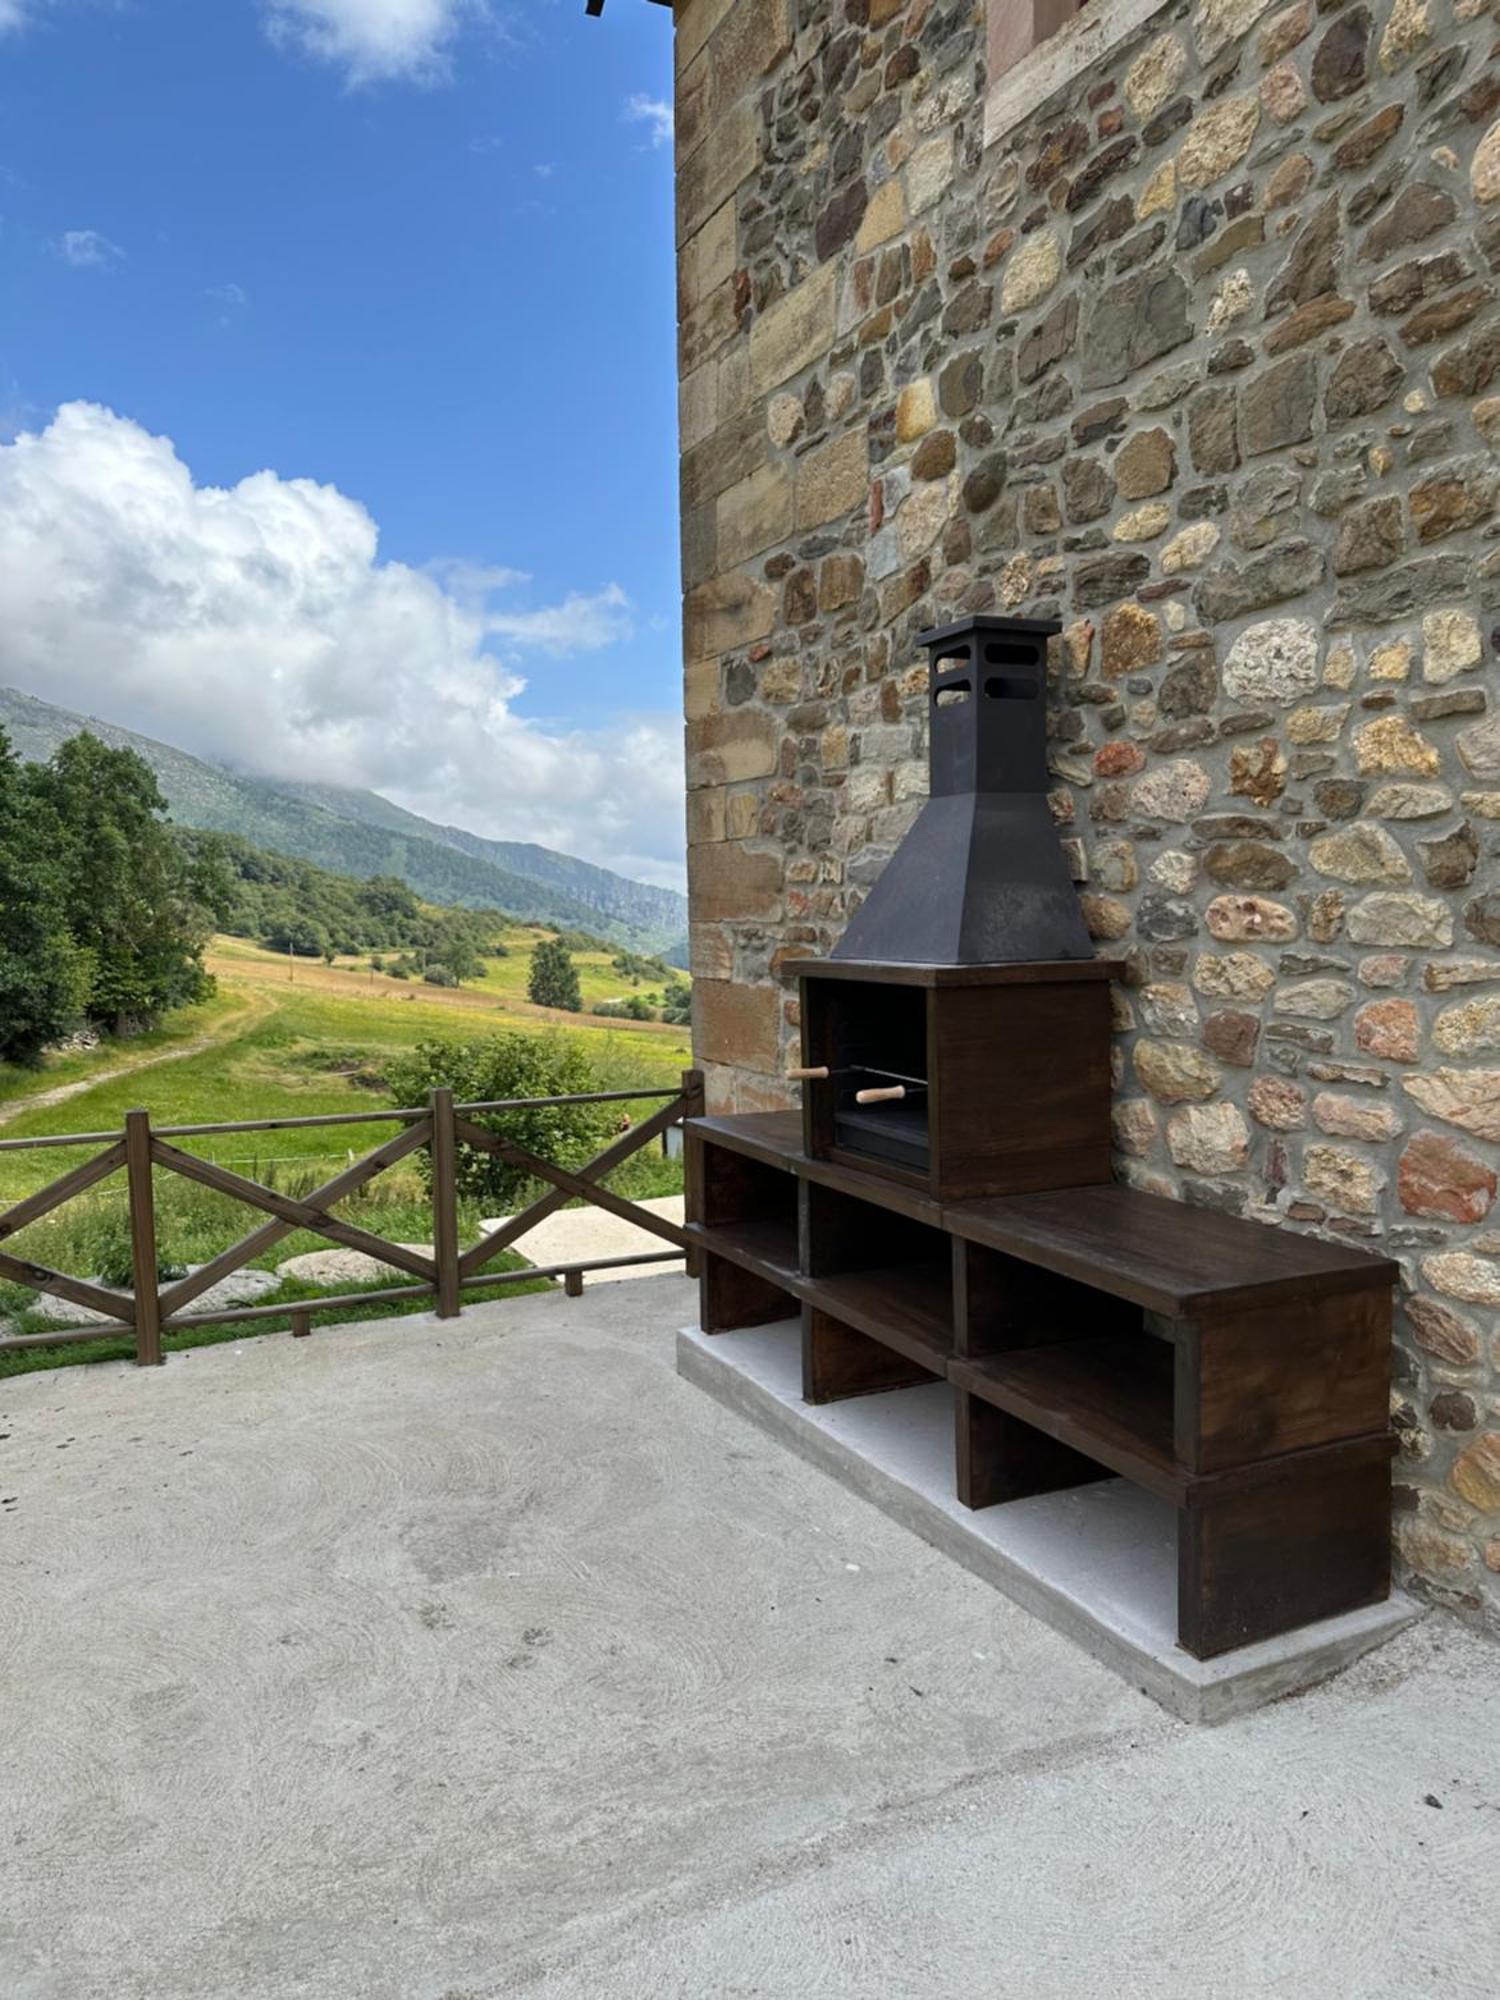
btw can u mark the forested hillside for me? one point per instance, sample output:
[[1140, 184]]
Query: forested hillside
[[361, 834], [296, 907]]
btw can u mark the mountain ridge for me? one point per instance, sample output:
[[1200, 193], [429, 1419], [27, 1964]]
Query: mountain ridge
[[361, 833]]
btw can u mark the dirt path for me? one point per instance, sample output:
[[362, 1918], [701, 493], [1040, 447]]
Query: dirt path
[[256, 1007]]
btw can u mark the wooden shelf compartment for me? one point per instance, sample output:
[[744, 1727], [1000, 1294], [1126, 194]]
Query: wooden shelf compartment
[[1109, 1398], [742, 1278], [885, 1273], [745, 1221], [767, 1247], [774, 1139], [842, 1359], [907, 1307], [1112, 1399], [748, 1192]]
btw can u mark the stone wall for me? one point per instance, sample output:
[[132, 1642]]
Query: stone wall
[[1202, 357]]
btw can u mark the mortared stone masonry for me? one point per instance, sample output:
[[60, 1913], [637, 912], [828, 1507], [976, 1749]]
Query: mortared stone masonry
[[1188, 335]]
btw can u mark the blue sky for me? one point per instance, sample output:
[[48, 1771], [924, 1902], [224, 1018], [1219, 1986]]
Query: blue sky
[[411, 262]]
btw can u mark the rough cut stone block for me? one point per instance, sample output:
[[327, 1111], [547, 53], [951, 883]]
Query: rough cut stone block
[[754, 515], [724, 749], [749, 41], [832, 480], [740, 1024], [726, 613], [795, 332], [714, 172], [733, 884], [1129, 325]]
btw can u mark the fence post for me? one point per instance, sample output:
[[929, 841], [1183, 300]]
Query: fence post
[[445, 1204], [143, 1258], [694, 1104]]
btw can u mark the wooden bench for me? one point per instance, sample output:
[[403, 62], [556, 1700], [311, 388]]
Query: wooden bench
[[1237, 1370]]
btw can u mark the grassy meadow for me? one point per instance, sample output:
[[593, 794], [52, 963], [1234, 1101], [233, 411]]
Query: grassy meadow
[[280, 1041]]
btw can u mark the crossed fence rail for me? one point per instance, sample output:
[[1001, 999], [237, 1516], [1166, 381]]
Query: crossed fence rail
[[152, 1309]]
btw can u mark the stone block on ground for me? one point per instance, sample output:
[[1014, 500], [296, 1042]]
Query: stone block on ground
[[240, 1288], [344, 1267]]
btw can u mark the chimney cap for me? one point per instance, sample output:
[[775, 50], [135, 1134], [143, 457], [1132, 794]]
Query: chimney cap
[[963, 628]]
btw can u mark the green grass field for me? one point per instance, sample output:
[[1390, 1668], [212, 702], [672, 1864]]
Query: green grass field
[[273, 1046]]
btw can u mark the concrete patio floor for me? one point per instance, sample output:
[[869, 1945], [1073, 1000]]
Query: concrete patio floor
[[427, 1661]]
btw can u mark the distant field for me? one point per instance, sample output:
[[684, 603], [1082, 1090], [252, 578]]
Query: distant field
[[503, 984]]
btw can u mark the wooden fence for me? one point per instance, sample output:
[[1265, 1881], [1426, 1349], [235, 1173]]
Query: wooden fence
[[152, 1309]]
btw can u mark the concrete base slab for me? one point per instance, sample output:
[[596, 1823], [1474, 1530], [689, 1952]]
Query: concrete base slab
[[1097, 1563]]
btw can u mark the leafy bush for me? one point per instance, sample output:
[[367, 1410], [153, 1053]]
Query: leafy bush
[[637, 1008], [583, 941], [635, 967], [510, 1066], [299, 936], [677, 1003]]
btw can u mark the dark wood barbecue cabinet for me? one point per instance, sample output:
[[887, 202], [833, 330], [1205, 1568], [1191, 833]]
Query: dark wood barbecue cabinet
[[944, 1208]]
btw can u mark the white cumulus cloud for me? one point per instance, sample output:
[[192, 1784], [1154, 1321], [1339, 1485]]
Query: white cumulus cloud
[[87, 250], [655, 115], [258, 626], [373, 40]]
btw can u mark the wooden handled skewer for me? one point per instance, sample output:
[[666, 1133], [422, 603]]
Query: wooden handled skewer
[[886, 1094]]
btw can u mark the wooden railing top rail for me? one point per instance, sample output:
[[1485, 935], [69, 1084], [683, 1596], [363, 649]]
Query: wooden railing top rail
[[339, 1118]]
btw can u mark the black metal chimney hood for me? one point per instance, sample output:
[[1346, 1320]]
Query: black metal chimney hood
[[980, 879]]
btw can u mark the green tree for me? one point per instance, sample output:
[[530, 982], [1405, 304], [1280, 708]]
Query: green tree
[[554, 977], [451, 941], [131, 905], [208, 874], [510, 1066], [44, 976]]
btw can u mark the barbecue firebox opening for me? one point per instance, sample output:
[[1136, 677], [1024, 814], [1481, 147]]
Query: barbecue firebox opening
[[879, 1080]]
